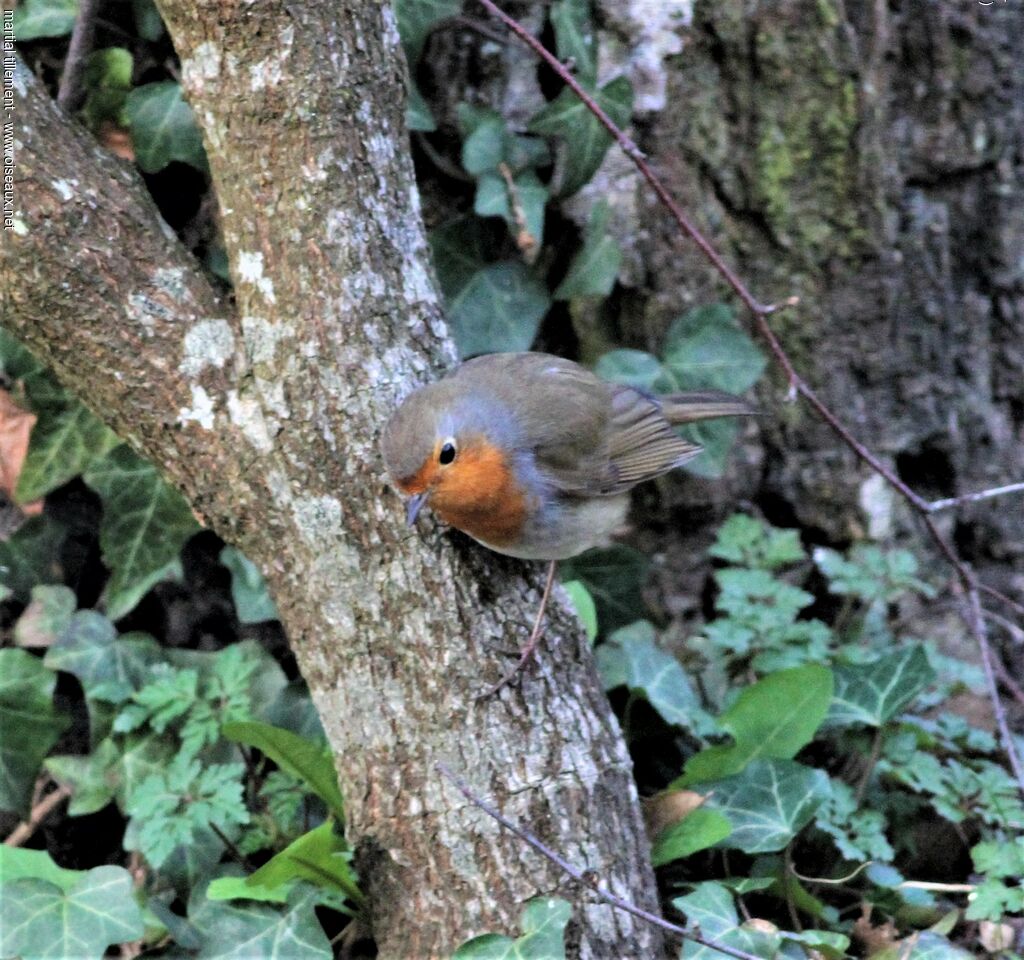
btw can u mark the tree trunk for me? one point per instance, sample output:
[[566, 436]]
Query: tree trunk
[[268, 417]]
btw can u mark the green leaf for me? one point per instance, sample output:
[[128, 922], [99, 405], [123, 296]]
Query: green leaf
[[108, 81], [91, 649], [457, 248], [698, 830], [710, 909], [543, 925], [594, 269], [585, 140], [834, 946], [418, 115], [746, 542], [253, 603], [493, 200], [614, 576], [416, 18], [874, 693], [635, 368], [923, 946], [91, 778], [39, 919], [238, 888], [768, 803], [320, 856], [631, 658], [17, 863], [46, 617], [31, 725], [30, 555], [147, 20], [145, 524], [498, 310], [243, 931], [871, 573], [774, 717], [859, 835], [163, 127], [44, 18], [574, 38], [707, 349], [583, 603], [310, 762]]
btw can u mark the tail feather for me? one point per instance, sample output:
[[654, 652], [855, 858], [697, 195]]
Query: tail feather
[[703, 405]]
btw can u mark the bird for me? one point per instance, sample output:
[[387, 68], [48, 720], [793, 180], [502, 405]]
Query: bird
[[534, 456]]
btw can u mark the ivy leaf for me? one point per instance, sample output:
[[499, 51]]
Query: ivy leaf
[[238, 888], [631, 658], [62, 446], [585, 140], [147, 20], [635, 368], [613, 575], [18, 862], [594, 269], [163, 127], [310, 762], [241, 931], [44, 18], [145, 524], [28, 556], [40, 920], [698, 830], [498, 310], [583, 604], [574, 38], [710, 909], [774, 717], [543, 925], [91, 778], [253, 603], [320, 856], [874, 693], [746, 542], [457, 248], [31, 725], [707, 349], [418, 115], [416, 18], [46, 616], [768, 803]]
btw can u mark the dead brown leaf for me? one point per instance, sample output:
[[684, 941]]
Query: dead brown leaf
[[668, 807], [15, 430]]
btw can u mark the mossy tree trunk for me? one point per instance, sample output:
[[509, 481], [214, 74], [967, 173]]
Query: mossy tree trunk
[[268, 414]]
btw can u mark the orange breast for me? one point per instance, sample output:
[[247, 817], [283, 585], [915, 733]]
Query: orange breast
[[480, 495]]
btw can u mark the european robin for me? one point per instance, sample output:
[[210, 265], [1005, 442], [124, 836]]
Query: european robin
[[534, 456]]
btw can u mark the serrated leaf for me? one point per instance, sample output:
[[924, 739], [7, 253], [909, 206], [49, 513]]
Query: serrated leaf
[[44, 18], [163, 127], [543, 925], [320, 856], [310, 762], [697, 831], [635, 368], [232, 930], [253, 603], [774, 717], [594, 269], [30, 722], [874, 693], [91, 778], [585, 140], [583, 604], [145, 524], [747, 542], [46, 617], [498, 310], [614, 576], [493, 199], [416, 18], [631, 658], [40, 920], [768, 803], [17, 863], [574, 38]]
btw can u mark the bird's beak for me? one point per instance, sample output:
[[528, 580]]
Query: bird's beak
[[413, 507]]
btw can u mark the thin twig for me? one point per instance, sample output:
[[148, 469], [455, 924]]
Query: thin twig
[[69, 93], [39, 813], [231, 848], [1015, 605], [975, 497], [797, 385], [876, 750], [578, 875], [1007, 681]]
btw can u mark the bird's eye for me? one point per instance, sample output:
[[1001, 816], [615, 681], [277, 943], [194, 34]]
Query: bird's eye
[[447, 454]]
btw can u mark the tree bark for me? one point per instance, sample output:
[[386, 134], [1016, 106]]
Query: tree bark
[[268, 416]]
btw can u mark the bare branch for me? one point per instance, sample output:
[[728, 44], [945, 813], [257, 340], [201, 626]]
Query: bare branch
[[975, 497], [39, 813], [70, 93]]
